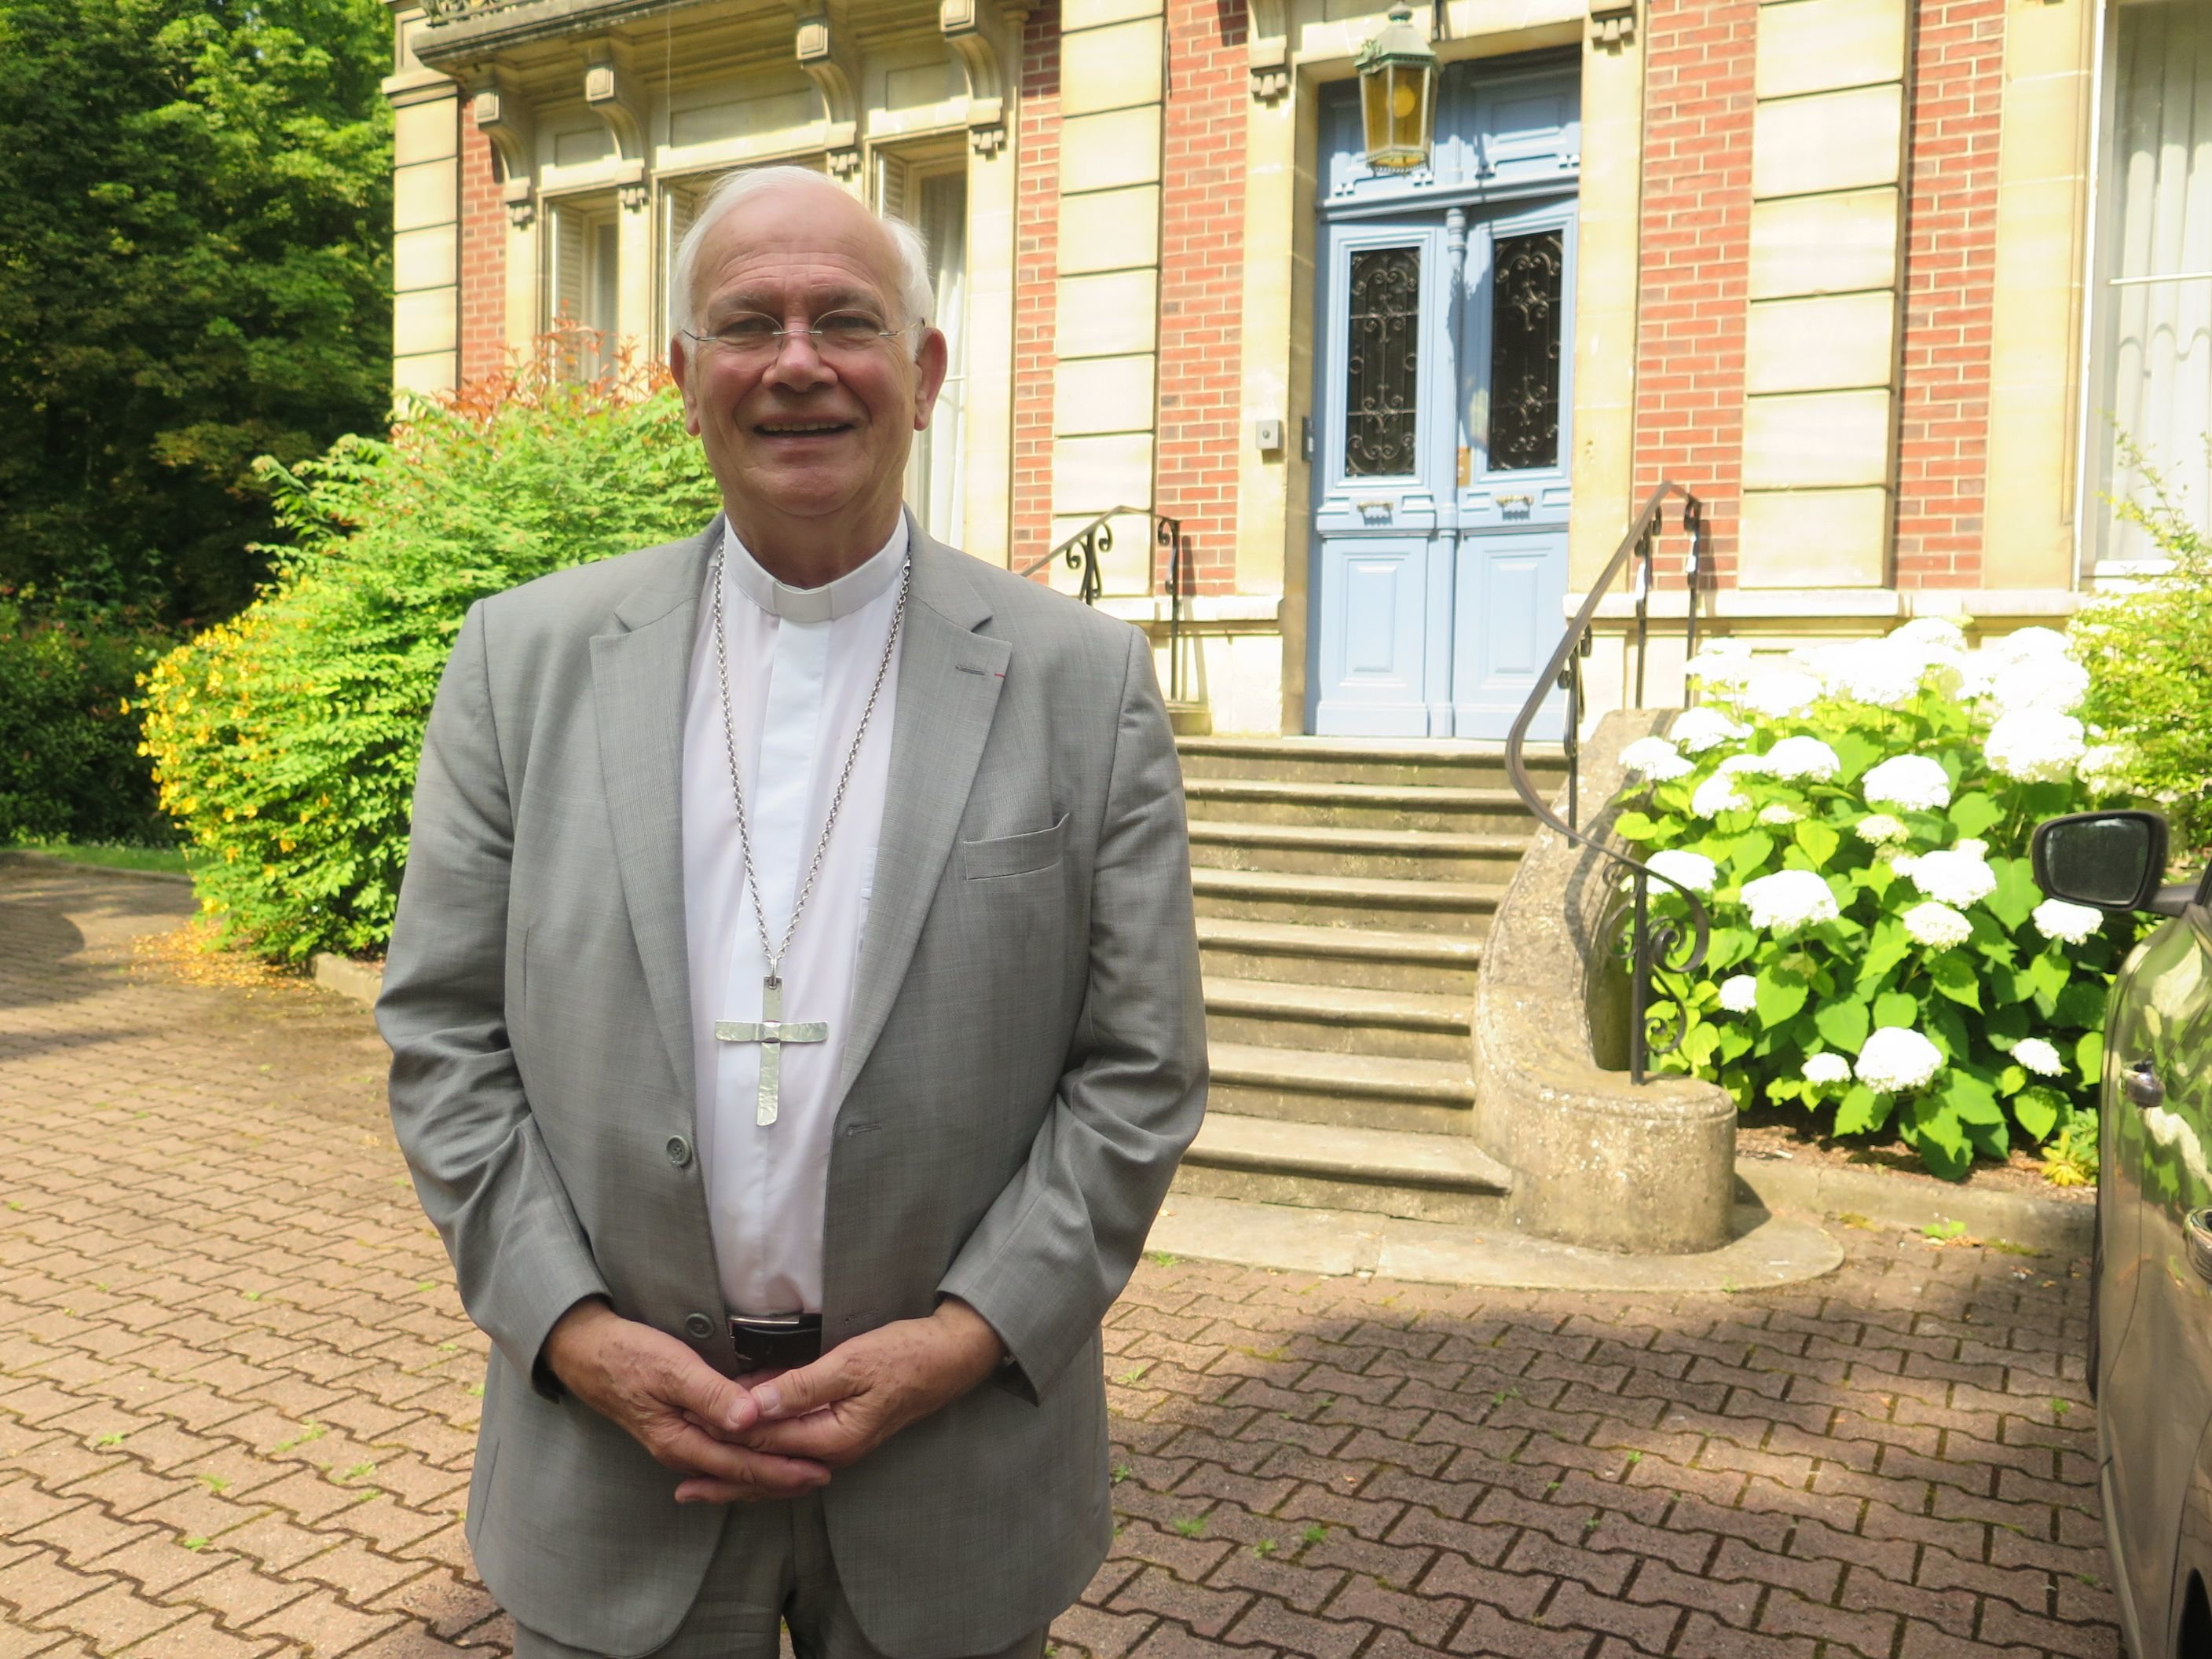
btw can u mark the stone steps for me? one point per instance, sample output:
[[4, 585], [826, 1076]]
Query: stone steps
[[1341, 761], [1304, 1086], [1329, 850], [1354, 958], [1423, 1177], [1363, 805], [1343, 890], [1332, 1019], [1424, 907]]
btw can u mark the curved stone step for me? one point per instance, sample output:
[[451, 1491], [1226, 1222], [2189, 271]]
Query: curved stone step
[[1427, 1096], [1439, 906], [1429, 1178], [1400, 1024], [1768, 1250]]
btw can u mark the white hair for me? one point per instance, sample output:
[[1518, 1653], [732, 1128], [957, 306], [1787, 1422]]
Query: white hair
[[909, 251]]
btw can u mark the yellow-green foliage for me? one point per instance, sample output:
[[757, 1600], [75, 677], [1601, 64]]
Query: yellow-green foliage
[[2148, 651], [285, 741]]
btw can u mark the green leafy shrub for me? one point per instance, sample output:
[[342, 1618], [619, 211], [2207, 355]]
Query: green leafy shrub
[[69, 764], [1857, 821], [2148, 651], [285, 740]]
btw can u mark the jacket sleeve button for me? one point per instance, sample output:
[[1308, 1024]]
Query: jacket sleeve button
[[680, 1150], [699, 1325]]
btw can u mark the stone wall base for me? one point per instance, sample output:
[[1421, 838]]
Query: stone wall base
[[1597, 1161]]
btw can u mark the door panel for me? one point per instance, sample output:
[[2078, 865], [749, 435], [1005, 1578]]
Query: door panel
[[1377, 521], [1499, 129], [1513, 500], [2128, 1039], [1443, 301], [1375, 653], [1509, 593], [2156, 1400]]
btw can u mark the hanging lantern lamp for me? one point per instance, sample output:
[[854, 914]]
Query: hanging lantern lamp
[[1398, 94]]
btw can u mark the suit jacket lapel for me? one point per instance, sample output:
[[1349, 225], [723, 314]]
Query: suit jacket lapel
[[948, 679], [640, 672]]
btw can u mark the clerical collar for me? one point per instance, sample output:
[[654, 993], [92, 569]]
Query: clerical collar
[[842, 598]]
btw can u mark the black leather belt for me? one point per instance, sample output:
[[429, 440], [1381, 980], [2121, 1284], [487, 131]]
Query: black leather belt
[[775, 1342]]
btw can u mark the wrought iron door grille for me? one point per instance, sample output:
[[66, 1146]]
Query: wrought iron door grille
[[1382, 363], [1528, 276]]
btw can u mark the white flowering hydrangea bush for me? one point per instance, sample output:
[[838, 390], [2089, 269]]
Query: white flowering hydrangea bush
[[1856, 819]]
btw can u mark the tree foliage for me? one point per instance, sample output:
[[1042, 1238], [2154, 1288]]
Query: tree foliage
[[71, 768], [285, 740], [194, 215]]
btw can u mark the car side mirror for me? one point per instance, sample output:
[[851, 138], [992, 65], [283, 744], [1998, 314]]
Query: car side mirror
[[2109, 860]]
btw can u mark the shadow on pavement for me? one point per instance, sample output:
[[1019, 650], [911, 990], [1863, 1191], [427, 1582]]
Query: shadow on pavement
[[38, 946], [61, 932], [1897, 1457]]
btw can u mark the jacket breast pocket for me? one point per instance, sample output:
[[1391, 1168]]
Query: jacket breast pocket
[[1013, 856]]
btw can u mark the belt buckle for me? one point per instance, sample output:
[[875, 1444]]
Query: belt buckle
[[776, 1341], [770, 1324]]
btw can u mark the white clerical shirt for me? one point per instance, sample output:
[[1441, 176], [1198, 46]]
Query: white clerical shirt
[[801, 664]]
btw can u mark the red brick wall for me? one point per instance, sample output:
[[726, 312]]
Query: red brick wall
[[1202, 285], [484, 256], [1037, 262], [1950, 252], [1696, 236]]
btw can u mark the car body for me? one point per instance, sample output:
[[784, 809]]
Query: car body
[[2150, 1338]]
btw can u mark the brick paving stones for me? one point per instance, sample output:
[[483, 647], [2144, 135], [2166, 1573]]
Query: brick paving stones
[[237, 1395]]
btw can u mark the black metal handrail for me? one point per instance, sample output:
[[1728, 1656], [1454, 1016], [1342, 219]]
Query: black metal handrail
[[1083, 549], [1652, 943]]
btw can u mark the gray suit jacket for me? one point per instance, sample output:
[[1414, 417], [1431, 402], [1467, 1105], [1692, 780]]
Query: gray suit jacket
[[1025, 1065]]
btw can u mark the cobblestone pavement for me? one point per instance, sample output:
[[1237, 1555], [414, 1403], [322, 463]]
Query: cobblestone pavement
[[237, 1397]]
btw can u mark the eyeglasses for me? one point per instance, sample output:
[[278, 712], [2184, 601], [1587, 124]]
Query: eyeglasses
[[754, 334]]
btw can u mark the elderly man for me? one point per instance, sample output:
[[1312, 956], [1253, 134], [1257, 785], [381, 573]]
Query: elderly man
[[794, 1013]]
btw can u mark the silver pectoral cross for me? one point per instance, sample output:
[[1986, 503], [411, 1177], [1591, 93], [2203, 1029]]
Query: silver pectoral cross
[[771, 1031]]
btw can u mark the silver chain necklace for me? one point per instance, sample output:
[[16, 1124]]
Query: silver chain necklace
[[772, 1030]]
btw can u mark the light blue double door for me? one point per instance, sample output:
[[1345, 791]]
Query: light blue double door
[[1441, 453]]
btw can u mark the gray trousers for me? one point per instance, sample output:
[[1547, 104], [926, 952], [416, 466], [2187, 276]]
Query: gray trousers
[[772, 1567]]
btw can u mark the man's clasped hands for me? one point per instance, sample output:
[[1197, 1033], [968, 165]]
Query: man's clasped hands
[[773, 1434]]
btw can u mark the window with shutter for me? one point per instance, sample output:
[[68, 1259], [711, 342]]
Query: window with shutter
[[679, 205], [930, 191], [2153, 399], [680, 197], [944, 217], [583, 287]]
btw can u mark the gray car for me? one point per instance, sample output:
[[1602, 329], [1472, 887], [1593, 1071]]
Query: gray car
[[2150, 1319]]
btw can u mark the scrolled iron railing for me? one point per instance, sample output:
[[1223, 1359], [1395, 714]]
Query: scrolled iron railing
[[1084, 551], [1654, 942]]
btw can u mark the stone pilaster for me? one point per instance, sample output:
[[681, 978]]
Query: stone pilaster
[[1820, 345], [426, 215]]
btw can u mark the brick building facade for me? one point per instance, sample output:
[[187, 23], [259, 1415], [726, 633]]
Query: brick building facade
[[1843, 268]]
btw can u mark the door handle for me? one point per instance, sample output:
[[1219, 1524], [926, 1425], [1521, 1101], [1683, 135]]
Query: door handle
[[2196, 1232], [2142, 1085]]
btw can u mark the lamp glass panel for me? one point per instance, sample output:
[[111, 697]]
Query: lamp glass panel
[[1375, 110]]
